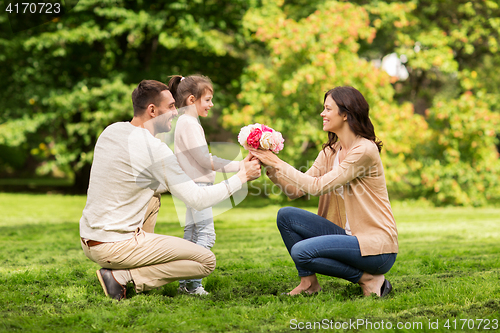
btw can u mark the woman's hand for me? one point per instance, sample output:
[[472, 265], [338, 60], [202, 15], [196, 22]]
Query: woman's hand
[[266, 157], [250, 168]]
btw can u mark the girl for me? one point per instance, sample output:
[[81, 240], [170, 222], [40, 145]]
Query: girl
[[194, 94]]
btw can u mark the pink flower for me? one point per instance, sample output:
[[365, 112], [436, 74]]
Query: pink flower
[[266, 129], [254, 137], [261, 136], [276, 141]]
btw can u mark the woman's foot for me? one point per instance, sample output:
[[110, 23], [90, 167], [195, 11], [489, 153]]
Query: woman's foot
[[371, 283], [308, 284]]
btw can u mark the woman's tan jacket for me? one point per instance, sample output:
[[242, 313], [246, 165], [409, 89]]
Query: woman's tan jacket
[[366, 202]]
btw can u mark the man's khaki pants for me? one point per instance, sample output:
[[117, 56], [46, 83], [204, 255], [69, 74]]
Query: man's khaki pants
[[153, 260]]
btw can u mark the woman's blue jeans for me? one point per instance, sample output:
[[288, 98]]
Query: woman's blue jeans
[[317, 245]]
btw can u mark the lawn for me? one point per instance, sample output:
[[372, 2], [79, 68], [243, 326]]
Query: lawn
[[446, 277]]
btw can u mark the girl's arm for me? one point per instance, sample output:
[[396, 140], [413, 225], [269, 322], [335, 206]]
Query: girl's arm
[[180, 185], [222, 165], [194, 139]]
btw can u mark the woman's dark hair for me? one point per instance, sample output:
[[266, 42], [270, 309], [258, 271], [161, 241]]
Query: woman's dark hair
[[352, 103], [182, 87], [147, 92]]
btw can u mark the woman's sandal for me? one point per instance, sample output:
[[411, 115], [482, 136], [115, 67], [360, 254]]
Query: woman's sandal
[[314, 293], [386, 288], [304, 292]]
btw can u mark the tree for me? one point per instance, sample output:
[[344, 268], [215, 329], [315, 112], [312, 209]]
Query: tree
[[451, 48], [305, 56], [271, 62], [68, 79]]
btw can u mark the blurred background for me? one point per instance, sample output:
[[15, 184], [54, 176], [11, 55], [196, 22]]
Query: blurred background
[[428, 68]]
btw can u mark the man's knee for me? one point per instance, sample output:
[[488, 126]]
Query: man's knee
[[209, 263]]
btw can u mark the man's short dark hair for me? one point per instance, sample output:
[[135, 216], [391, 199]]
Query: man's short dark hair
[[147, 92]]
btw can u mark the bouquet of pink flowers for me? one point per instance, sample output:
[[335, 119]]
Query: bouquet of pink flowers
[[261, 136]]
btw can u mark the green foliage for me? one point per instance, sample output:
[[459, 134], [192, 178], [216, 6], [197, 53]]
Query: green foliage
[[310, 54], [49, 285], [451, 50], [271, 62], [442, 41], [466, 169], [282, 87], [77, 72]]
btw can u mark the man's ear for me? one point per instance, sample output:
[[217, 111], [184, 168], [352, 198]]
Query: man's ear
[[151, 110]]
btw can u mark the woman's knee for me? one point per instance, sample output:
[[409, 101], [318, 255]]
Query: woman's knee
[[300, 254], [389, 260], [284, 215]]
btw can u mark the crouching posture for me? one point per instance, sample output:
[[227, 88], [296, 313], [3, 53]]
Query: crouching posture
[[361, 244], [129, 171]]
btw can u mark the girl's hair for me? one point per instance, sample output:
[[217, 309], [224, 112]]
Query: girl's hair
[[182, 87], [352, 103]]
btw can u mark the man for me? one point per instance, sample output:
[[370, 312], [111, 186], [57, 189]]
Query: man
[[129, 171]]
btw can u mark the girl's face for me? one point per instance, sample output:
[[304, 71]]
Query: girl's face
[[332, 120], [204, 103]]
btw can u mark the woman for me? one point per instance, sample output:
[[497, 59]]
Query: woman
[[361, 244]]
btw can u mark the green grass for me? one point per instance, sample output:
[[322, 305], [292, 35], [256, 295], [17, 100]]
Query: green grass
[[447, 269]]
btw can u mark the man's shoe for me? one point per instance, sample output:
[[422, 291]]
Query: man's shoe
[[198, 291], [109, 284]]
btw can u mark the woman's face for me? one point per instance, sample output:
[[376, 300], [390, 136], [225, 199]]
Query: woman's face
[[332, 120]]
